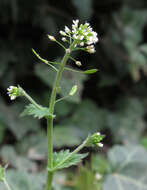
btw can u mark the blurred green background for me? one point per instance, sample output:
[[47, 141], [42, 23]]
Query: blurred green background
[[113, 101]]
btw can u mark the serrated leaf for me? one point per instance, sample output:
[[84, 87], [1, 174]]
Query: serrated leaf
[[73, 90], [36, 112], [129, 168], [90, 71], [64, 159]]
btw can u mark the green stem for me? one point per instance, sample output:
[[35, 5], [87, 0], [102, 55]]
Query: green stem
[[30, 99], [50, 121], [7, 185]]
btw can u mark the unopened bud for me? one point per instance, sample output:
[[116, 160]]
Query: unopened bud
[[78, 63], [52, 38]]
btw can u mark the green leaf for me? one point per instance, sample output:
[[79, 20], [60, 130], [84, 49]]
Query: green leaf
[[20, 162], [24, 180], [73, 90], [63, 137], [90, 71], [19, 127], [36, 112], [127, 124], [129, 168], [65, 159], [144, 142], [93, 120], [2, 173]]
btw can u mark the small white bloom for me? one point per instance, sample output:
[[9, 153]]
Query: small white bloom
[[62, 33], [76, 22], [67, 30], [98, 176], [67, 50], [12, 97], [52, 38], [90, 49], [64, 39], [81, 37], [75, 36], [100, 144], [82, 44], [98, 133], [78, 63]]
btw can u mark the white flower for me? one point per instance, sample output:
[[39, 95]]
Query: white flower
[[90, 49], [78, 63], [64, 39], [67, 50], [62, 33], [82, 44], [100, 144], [76, 22], [67, 30], [52, 38], [98, 133], [98, 176], [81, 35]]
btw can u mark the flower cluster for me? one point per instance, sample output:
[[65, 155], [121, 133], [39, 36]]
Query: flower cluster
[[82, 35], [12, 92], [95, 139]]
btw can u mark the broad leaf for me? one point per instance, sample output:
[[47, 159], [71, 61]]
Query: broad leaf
[[10, 118], [36, 112], [63, 137], [128, 123], [64, 159], [129, 168], [23, 180], [20, 162]]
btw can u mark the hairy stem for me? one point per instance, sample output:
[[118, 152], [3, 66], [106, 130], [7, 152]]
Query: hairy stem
[[50, 121]]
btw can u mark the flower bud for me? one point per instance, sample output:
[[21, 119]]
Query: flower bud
[[52, 38], [95, 139], [78, 63]]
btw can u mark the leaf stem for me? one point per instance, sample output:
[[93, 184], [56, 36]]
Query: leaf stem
[[50, 121], [29, 98], [6, 184]]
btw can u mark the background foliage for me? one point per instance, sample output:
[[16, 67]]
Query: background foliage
[[112, 100]]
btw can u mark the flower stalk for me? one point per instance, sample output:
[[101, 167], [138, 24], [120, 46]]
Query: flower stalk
[[50, 120]]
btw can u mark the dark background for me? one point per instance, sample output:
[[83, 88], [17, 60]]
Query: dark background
[[113, 101]]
